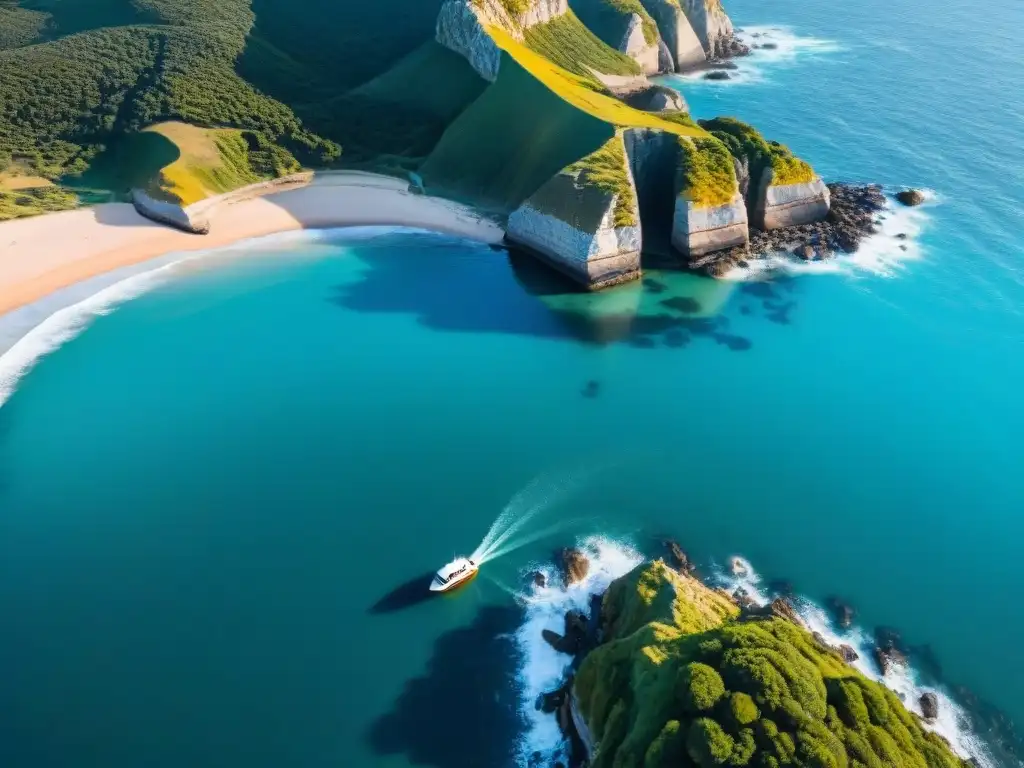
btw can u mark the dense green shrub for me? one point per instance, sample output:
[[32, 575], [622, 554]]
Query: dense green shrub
[[701, 687], [706, 173], [743, 693], [745, 141]]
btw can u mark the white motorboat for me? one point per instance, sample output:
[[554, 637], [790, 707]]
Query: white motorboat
[[458, 571]]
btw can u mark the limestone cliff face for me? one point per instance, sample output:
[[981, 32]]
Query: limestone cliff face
[[698, 230], [684, 45], [581, 229], [461, 28], [788, 205], [171, 214], [635, 45], [711, 24]]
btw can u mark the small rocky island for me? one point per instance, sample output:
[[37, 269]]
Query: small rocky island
[[647, 178], [675, 673]]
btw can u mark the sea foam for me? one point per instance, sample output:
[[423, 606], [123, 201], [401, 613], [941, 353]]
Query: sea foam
[[541, 667], [884, 253]]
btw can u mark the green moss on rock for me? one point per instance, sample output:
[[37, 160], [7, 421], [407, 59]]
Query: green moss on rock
[[680, 681], [706, 173], [606, 169], [745, 141]]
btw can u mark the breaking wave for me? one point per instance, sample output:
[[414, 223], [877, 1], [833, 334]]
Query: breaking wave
[[882, 254]]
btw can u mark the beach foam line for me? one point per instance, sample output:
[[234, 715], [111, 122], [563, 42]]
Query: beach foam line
[[885, 253], [952, 723], [541, 668], [30, 333]]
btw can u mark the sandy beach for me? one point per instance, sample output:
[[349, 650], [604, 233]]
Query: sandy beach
[[42, 255]]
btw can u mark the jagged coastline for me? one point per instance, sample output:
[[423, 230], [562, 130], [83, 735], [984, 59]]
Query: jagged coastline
[[669, 671]]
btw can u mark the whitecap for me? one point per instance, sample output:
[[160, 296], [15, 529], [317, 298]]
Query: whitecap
[[541, 668], [885, 253]]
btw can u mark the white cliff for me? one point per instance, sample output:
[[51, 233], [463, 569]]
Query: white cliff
[[698, 230], [461, 27], [634, 44], [684, 45], [711, 24], [581, 228], [789, 205]]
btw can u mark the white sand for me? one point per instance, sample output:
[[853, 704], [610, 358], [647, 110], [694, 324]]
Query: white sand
[[41, 256]]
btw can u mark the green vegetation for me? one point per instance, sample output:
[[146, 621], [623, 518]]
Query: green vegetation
[[609, 19], [744, 141], [513, 7], [30, 202], [567, 43], [707, 175], [19, 26], [681, 682], [606, 170]]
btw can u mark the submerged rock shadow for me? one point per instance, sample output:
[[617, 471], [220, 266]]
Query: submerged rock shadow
[[462, 713], [467, 288]]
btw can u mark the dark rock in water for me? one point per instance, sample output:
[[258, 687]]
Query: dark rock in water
[[723, 65], [550, 701], [553, 639], [575, 632], [806, 252], [910, 196], [539, 579], [717, 74], [901, 236], [679, 558], [767, 46], [780, 608], [841, 612], [591, 389], [849, 655], [743, 600], [575, 565], [889, 651], [903, 247], [929, 706]]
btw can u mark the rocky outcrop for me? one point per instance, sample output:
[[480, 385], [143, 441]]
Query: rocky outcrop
[[712, 26], [461, 27], [679, 558], [635, 45], [700, 230], [889, 651], [683, 43], [581, 227], [168, 213], [842, 612], [910, 197], [575, 566], [929, 706], [788, 205]]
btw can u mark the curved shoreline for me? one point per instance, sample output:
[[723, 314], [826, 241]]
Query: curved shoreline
[[43, 256]]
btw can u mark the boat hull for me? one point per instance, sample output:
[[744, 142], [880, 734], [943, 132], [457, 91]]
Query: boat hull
[[455, 583]]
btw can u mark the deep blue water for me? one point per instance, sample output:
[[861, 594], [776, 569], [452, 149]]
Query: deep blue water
[[214, 499]]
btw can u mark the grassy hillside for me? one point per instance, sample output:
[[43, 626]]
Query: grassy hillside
[[565, 41], [609, 19], [681, 682]]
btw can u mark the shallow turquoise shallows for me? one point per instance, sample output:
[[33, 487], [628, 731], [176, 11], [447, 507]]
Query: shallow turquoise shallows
[[217, 503]]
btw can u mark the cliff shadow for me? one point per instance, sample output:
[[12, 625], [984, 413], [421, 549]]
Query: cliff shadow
[[462, 713], [132, 161], [449, 284]]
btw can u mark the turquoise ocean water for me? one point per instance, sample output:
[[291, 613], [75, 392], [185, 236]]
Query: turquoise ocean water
[[218, 501]]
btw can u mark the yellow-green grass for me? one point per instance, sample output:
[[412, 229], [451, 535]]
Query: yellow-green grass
[[567, 42], [15, 178], [706, 173], [745, 141], [606, 170], [609, 19], [16, 203], [579, 92]]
